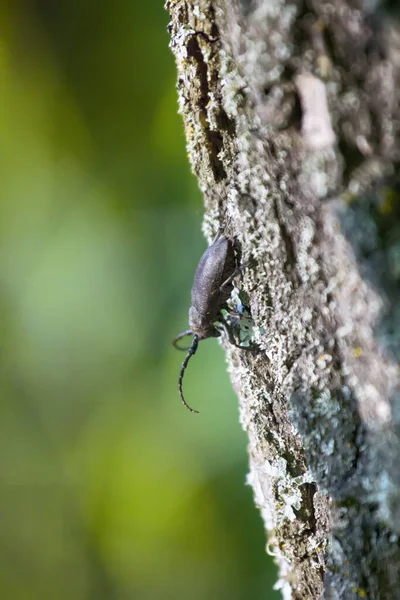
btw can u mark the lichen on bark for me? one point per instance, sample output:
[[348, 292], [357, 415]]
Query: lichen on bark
[[290, 111]]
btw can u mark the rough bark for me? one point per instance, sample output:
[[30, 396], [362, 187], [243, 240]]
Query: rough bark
[[292, 112]]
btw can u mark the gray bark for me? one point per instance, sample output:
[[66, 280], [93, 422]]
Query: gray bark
[[292, 114]]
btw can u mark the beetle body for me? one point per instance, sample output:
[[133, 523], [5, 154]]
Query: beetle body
[[212, 286]]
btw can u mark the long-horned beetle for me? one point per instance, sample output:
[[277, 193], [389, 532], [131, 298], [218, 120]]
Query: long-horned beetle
[[212, 286]]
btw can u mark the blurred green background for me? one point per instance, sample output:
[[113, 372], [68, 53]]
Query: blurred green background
[[109, 488]]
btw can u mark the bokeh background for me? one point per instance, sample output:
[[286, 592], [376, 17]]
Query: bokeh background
[[109, 488]]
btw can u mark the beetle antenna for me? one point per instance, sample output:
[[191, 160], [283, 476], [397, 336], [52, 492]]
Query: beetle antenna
[[191, 351], [179, 337]]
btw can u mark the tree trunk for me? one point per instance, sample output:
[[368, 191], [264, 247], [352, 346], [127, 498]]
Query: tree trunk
[[292, 118]]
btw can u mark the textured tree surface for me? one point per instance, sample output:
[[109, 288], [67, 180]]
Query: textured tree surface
[[292, 117]]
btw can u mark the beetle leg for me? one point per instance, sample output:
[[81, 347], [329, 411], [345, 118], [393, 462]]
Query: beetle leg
[[235, 273], [230, 335]]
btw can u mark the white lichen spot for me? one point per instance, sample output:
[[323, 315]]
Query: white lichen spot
[[283, 584], [323, 360], [307, 266], [197, 13], [316, 122], [282, 186]]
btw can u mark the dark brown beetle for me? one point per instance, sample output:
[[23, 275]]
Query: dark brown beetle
[[212, 286]]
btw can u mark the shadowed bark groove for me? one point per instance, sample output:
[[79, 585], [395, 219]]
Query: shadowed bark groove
[[292, 112]]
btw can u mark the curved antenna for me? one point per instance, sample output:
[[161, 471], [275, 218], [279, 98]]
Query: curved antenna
[[191, 351], [179, 337]]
